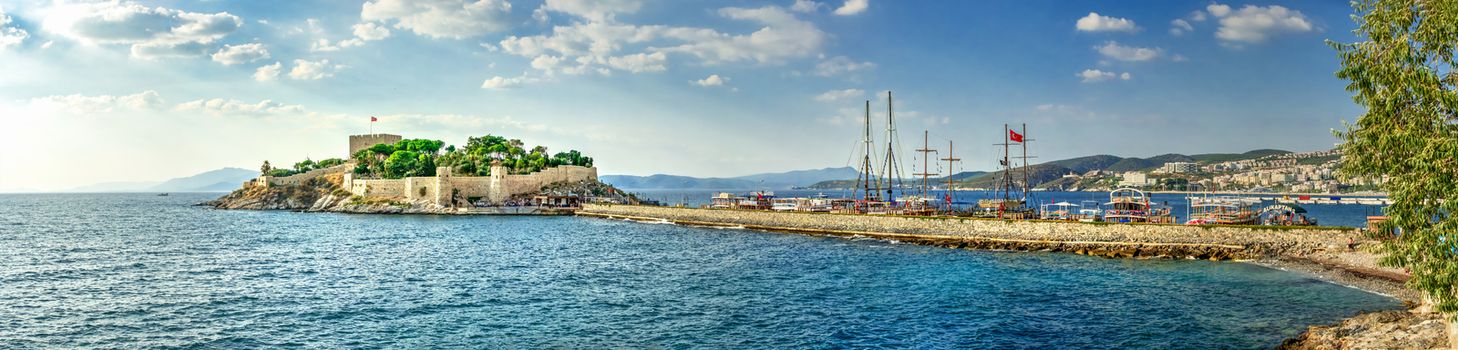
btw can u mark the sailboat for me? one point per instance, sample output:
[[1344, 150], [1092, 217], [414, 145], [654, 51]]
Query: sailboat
[[1010, 199]]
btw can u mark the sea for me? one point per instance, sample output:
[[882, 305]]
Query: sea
[[84, 271], [1349, 215]]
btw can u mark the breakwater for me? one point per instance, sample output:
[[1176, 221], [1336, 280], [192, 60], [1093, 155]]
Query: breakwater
[[1099, 239]]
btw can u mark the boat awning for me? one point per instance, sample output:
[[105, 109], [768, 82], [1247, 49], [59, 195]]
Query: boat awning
[[1285, 207]]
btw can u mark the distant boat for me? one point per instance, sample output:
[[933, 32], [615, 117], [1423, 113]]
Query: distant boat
[[162, 194]]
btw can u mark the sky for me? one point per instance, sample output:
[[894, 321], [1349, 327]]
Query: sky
[[150, 90]]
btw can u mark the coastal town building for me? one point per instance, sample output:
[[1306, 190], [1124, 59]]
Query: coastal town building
[[1180, 167], [1135, 179]]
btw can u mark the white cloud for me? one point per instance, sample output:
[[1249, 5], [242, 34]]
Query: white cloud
[[852, 7], [499, 82], [457, 19], [367, 31], [313, 70], [806, 6], [1197, 16], [546, 63], [783, 37], [604, 46], [323, 45], [1097, 23], [239, 54], [837, 95], [1095, 76], [639, 62], [83, 104], [840, 65], [152, 32], [1113, 50], [711, 80], [1217, 10], [370, 31], [221, 107], [156, 50], [1180, 26], [10, 36], [1125, 76], [268, 72], [594, 10], [1255, 24]]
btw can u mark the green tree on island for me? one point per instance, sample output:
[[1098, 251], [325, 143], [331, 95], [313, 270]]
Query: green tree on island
[[420, 157], [1403, 72]]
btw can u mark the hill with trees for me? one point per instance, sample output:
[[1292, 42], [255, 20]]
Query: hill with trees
[[1050, 173]]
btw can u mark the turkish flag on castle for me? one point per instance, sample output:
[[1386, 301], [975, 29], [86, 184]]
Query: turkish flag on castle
[[1015, 136]]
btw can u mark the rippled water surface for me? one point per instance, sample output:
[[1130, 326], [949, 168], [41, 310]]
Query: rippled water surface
[[137, 270]]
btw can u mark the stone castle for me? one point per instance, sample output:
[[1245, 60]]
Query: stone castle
[[444, 189]]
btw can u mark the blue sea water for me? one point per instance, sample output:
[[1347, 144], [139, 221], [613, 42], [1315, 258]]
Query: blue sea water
[[142, 271]]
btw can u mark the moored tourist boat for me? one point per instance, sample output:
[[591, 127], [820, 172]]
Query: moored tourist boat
[[1127, 205], [1089, 211], [1221, 211], [1285, 215], [786, 204], [1059, 211]]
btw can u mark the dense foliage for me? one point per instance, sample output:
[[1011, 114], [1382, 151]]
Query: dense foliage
[[299, 167], [418, 157], [1404, 74]]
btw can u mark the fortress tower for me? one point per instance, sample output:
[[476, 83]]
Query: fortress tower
[[359, 142]]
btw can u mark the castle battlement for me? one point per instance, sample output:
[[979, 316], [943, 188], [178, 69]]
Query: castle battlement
[[359, 142]]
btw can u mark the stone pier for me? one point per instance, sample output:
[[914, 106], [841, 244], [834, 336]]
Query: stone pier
[[1101, 239]]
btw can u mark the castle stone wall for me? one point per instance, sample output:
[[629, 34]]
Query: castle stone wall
[[359, 142], [495, 188], [297, 179], [378, 187]]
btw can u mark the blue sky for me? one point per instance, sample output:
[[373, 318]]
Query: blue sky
[[125, 91]]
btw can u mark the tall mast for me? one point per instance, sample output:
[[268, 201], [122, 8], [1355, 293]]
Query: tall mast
[[1026, 185], [864, 180], [926, 152], [950, 171], [891, 169], [1006, 167]]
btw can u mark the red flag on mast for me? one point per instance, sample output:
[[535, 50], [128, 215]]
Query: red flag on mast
[[373, 119], [1015, 136]]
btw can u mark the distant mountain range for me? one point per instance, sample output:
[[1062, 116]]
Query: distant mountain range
[[221, 180], [772, 181]]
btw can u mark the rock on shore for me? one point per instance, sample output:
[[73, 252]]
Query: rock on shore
[[322, 194], [1376, 330]]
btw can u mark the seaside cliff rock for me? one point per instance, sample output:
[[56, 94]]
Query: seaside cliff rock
[[322, 194], [1376, 330]]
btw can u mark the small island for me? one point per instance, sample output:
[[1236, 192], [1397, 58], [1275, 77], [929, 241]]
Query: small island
[[389, 174]]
